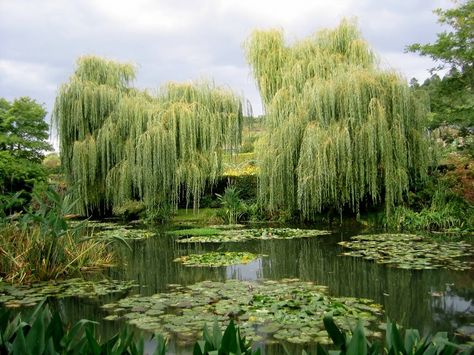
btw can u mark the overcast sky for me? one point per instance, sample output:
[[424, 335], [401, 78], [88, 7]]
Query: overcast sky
[[186, 40]]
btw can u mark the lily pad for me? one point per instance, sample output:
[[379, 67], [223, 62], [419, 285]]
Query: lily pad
[[29, 295], [288, 310], [125, 233], [215, 235], [407, 251], [216, 259]]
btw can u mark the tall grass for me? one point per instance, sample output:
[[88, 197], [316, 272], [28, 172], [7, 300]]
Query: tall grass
[[447, 211], [39, 245]]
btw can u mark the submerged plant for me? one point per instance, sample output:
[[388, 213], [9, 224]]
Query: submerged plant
[[120, 144], [340, 132]]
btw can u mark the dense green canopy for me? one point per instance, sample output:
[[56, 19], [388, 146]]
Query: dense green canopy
[[339, 129], [118, 143]]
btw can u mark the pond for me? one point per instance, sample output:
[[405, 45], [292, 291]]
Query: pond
[[430, 300]]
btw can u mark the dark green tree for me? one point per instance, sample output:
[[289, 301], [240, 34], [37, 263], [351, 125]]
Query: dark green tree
[[23, 142], [452, 97], [23, 131]]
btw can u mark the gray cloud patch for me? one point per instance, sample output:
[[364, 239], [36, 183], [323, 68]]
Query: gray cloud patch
[[184, 40]]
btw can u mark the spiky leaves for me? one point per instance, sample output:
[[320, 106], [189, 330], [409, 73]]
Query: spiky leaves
[[118, 143], [339, 129]]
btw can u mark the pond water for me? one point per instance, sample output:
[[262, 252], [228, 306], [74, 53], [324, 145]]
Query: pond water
[[430, 300]]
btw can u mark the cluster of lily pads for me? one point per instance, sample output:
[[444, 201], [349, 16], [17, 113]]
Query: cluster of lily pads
[[407, 251], [107, 230], [215, 235], [125, 233], [94, 224], [29, 295], [287, 310], [216, 259]]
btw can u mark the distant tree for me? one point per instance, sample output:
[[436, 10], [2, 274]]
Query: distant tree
[[23, 131], [23, 135], [452, 97]]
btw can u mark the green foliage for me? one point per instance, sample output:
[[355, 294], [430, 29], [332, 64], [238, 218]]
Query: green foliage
[[409, 251], [46, 333], [444, 211], [195, 232], [18, 175], [232, 206], [39, 245], [452, 97], [129, 210], [410, 344], [339, 131], [454, 49], [231, 342], [23, 134], [120, 144], [235, 234], [52, 162], [216, 259], [23, 131]]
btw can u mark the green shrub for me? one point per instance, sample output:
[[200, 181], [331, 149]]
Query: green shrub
[[233, 208], [446, 211], [130, 210]]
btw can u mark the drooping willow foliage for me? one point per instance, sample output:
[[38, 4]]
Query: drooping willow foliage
[[340, 131], [118, 143]]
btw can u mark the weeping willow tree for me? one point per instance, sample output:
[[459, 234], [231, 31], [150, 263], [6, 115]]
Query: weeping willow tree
[[119, 144], [340, 131]]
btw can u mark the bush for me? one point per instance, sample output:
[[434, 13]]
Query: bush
[[445, 211], [130, 210], [233, 209]]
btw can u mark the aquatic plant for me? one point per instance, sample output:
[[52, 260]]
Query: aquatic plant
[[14, 296], [44, 332], [340, 131], [447, 211], [407, 251], [39, 245], [123, 233], [215, 235], [231, 342], [357, 343], [216, 259], [286, 310], [120, 144]]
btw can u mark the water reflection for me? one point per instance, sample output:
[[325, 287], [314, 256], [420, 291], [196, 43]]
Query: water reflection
[[430, 300]]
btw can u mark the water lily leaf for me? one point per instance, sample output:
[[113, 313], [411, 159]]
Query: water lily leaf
[[407, 251]]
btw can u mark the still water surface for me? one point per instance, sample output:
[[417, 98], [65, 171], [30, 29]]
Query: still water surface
[[430, 300]]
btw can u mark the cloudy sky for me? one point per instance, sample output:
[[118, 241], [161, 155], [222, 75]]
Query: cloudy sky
[[183, 40]]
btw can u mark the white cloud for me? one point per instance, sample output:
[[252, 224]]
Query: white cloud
[[37, 77], [186, 39]]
